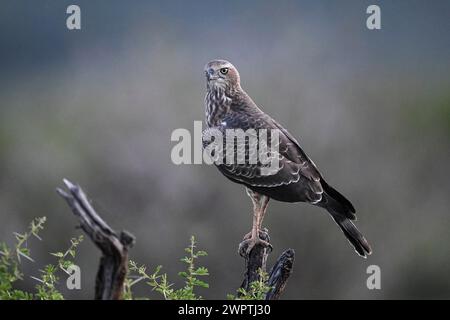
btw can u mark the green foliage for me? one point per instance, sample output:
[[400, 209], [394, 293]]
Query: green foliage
[[49, 276], [11, 258], [46, 289], [191, 275], [64, 258], [258, 289], [159, 282]]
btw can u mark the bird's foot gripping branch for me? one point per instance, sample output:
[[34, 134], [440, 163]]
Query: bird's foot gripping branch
[[256, 265]]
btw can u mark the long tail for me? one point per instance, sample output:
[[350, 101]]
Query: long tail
[[343, 213]]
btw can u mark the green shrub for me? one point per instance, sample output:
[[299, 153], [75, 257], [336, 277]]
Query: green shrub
[[48, 280], [159, 282]]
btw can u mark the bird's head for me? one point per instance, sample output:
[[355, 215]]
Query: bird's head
[[221, 74]]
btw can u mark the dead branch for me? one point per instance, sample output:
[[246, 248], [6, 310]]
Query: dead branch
[[114, 261], [279, 274]]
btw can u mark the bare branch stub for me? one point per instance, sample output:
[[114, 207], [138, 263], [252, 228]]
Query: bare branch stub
[[114, 261], [257, 259], [279, 274]]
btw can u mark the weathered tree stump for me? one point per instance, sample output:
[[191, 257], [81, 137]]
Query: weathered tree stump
[[114, 261]]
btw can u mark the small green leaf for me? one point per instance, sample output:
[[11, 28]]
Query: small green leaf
[[58, 254]]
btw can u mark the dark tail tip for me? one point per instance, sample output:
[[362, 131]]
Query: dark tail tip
[[353, 235]]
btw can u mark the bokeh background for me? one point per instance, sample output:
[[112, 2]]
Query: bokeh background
[[98, 106]]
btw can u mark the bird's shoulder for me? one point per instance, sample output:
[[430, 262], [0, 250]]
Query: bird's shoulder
[[245, 114]]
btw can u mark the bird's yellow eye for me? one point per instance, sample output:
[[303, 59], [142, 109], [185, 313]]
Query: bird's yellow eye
[[224, 71]]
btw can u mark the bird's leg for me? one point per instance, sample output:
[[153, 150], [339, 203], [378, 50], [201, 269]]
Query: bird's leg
[[264, 204], [255, 225], [251, 239], [256, 208], [259, 210]]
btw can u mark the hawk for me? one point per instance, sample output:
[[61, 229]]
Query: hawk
[[295, 179]]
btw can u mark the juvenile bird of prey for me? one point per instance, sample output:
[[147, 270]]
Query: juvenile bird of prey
[[296, 179]]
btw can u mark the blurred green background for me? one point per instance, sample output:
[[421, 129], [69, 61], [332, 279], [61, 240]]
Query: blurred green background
[[97, 106]]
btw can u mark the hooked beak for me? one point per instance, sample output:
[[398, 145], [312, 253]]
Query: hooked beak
[[210, 75]]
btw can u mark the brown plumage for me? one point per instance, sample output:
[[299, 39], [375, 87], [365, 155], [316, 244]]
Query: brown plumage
[[297, 179]]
